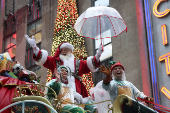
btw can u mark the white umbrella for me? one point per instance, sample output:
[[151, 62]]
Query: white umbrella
[[99, 23]]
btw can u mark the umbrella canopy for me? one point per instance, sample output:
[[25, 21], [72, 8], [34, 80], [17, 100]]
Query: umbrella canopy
[[99, 23]]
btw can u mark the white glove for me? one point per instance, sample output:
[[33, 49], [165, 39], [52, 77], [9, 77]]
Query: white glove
[[99, 52], [80, 99], [85, 100], [33, 44]]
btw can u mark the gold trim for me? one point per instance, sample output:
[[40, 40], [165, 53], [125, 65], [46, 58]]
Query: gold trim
[[38, 93], [6, 84], [119, 101], [38, 98]]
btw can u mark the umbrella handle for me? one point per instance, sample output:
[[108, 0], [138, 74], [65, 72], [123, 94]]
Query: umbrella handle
[[101, 44]]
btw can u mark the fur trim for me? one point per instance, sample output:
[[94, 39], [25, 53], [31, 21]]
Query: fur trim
[[67, 45], [43, 59], [90, 65]]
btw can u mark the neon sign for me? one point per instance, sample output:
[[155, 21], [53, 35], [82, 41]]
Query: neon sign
[[156, 12], [164, 34], [151, 51], [165, 57], [166, 92], [167, 62]]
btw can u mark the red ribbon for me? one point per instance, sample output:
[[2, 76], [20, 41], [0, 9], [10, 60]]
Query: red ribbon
[[162, 107]]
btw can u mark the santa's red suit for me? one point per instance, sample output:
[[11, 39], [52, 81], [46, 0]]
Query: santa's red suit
[[78, 67]]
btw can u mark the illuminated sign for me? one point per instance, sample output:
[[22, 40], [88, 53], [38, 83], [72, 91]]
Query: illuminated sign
[[156, 12], [167, 63], [166, 92], [151, 52], [164, 34], [165, 57]]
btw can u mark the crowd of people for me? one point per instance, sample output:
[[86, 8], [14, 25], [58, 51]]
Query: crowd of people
[[67, 81]]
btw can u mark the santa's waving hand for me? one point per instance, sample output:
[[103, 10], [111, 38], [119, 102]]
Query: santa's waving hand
[[32, 43]]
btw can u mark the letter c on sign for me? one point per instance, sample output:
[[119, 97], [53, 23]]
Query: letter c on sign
[[155, 9]]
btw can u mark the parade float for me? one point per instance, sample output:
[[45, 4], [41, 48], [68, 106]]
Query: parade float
[[20, 92]]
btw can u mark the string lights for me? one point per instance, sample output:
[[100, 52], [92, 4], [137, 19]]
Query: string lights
[[64, 32]]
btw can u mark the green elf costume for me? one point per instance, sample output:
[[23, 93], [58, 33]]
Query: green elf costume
[[65, 92]]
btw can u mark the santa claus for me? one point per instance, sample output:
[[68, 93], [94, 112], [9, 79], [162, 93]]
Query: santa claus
[[64, 56]]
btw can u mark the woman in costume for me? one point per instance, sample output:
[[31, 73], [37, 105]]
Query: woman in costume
[[65, 91]]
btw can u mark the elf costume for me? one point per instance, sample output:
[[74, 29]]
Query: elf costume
[[116, 87], [65, 92]]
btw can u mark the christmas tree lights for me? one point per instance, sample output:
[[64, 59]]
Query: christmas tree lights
[[64, 32]]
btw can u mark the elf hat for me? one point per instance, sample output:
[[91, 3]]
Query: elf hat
[[117, 64]]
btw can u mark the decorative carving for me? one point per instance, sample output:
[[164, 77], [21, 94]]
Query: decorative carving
[[40, 90]]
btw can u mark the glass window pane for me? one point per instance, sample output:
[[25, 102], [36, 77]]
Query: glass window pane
[[38, 25], [31, 29], [101, 3], [12, 51], [107, 40], [37, 37], [107, 52], [7, 43], [97, 43], [104, 42], [13, 39]]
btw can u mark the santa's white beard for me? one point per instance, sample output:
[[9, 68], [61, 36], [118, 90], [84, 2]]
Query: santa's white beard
[[65, 56], [68, 60]]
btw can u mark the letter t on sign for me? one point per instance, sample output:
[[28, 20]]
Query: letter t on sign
[[167, 62]]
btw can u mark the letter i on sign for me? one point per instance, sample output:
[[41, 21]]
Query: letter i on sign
[[164, 34]]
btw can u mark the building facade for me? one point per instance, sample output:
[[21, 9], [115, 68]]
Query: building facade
[[143, 49]]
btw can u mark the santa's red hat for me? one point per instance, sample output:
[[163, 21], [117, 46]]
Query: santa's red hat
[[67, 45], [117, 64], [63, 45]]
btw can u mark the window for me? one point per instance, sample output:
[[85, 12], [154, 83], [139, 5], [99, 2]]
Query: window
[[101, 3], [34, 10], [9, 6], [107, 48], [10, 45], [98, 76], [107, 41], [10, 25], [106, 56], [9, 40], [33, 29]]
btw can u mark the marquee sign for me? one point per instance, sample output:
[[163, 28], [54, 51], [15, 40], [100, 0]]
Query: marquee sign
[[165, 57]]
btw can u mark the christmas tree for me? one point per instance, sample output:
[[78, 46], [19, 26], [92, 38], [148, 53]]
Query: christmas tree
[[64, 32]]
